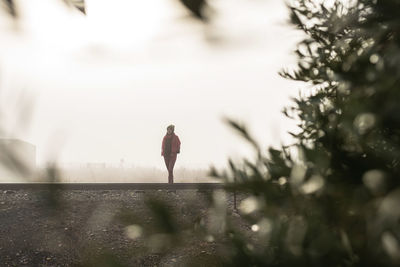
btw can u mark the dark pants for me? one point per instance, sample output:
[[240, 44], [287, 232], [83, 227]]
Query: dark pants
[[170, 163]]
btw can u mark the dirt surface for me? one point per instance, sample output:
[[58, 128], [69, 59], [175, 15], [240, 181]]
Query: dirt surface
[[91, 228]]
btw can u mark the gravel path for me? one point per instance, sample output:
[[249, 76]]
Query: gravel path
[[89, 228]]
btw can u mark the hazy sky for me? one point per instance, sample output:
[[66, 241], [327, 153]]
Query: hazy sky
[[103, 87]]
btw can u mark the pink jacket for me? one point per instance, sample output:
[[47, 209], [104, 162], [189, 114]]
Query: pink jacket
[[175, 144]]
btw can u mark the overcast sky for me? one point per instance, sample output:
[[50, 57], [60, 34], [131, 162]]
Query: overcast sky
[[103, 87]]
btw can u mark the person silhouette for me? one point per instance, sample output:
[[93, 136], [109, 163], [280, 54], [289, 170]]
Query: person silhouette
[[171, 146]]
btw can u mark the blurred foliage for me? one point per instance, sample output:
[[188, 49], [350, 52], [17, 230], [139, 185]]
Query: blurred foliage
[[9, 6], [331, 198], [79, 4], [196, 7]]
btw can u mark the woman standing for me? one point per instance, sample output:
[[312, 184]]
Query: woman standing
[[171, 146]]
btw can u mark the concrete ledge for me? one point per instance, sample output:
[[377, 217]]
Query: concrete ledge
[[110, 186]]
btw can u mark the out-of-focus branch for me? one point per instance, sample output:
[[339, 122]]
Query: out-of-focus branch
[[197, 8], [9, 6]]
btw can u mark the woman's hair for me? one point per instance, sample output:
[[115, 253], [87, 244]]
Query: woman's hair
[[171, 127]]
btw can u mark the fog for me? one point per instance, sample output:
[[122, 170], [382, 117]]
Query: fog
[[102, 87]]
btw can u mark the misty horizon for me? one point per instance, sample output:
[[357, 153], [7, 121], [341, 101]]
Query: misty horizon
[[82, 91]]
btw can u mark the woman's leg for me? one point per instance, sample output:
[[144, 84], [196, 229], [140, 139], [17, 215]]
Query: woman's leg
[[171, 164], [166, 160]]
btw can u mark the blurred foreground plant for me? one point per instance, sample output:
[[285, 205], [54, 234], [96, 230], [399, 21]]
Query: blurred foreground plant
[[332, 198]]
